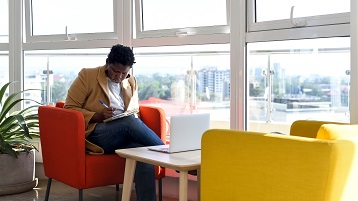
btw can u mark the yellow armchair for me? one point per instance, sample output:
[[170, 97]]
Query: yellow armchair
[[271, 167], [308, 128]]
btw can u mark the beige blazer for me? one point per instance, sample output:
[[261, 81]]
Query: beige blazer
[[88, 88]]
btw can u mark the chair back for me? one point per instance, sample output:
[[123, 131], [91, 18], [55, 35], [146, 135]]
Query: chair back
[[273, 167], [60, 104], [308, 128]]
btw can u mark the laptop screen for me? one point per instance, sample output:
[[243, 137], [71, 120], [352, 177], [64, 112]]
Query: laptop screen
[[186, 131]]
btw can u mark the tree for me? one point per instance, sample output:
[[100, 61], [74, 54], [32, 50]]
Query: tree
[[157, 86]]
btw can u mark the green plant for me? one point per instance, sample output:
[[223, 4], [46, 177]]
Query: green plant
[[17, 128]]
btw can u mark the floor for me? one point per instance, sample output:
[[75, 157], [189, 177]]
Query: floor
[[62, 192]]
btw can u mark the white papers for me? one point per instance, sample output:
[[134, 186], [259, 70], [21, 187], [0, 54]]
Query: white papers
[[124, 114]]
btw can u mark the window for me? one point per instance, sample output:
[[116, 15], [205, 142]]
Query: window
[[4, 67], [186, 79], [69, 20], [296, 13], [155, 18], [53, 71], [301, 79], [4, 70], [303, 8], [4, 21]]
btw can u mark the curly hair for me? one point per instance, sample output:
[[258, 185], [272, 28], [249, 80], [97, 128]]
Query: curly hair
[[121, 54]]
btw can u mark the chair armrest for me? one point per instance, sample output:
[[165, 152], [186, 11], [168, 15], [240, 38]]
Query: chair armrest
[[62, 134], [155, 119]]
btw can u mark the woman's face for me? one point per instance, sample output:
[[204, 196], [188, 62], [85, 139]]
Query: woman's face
[[117, 72]]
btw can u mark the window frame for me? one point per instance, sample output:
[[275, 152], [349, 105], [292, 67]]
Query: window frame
[[4, 46], [78, 37], [177, 32]]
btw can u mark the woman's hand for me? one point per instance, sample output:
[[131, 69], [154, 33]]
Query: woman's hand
[[105, 114], [108, 112]]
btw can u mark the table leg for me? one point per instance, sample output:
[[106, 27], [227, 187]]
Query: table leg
[[198, 182], [183, 186], [128, 179]]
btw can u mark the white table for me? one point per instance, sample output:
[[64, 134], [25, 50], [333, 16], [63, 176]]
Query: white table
[[183, 162]]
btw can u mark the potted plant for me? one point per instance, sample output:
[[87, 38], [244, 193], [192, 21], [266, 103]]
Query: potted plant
[[17, 157]]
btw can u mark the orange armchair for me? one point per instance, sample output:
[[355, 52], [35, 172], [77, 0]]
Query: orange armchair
[[62, 136]]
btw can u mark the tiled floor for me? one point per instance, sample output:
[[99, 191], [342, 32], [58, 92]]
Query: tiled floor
[[62, 192]]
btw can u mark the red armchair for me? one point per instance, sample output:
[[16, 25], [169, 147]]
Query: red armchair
[[62, 134]]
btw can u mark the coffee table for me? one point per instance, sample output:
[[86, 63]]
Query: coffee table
[[183, 162]]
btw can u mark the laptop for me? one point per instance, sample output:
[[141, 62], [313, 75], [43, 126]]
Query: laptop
[[185, 133]]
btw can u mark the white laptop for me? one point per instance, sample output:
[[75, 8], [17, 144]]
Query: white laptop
[[185, 133]]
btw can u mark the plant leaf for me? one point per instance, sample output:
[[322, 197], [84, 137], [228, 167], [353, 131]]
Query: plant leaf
[[18, 128]]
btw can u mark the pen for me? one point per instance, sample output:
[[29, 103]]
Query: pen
[[104, 104]]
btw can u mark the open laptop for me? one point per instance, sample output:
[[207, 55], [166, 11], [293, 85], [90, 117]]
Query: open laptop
[[185, 133]]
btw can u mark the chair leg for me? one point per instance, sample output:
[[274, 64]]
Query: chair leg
[[117, 187], [80, 194], [160, 189], [48, 188]]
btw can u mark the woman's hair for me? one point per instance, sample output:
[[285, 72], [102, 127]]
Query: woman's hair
[[121, 54]]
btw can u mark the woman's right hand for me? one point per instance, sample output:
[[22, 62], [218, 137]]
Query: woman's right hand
[[108, 112], [105, 114]]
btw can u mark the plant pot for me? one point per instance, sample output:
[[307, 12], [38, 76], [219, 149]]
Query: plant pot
[[17, 174]]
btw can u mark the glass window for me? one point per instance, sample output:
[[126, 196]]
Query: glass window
[[4, 21], [80, 16], [186, 79], [54, 71], [303, 8], [265, 15], [74, 18], [302, 79], [4, 67], [164, 14], [170, 18]]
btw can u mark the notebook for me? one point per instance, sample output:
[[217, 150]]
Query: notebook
[[185, 133], [124, 114]]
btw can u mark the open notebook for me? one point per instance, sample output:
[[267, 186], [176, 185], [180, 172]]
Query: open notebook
[[185, 133], [124, 114]]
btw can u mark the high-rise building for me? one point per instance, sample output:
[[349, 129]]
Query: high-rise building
[[215, 82]]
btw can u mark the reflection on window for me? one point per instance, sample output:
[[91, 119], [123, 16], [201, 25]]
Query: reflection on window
[[186, 79], [80, 16], [305, 79], [54, 71], [164, 14], [4, 21], [267, 10]]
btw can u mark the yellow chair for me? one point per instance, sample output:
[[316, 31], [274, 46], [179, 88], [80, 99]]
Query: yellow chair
[[308, 128], [271, 167]]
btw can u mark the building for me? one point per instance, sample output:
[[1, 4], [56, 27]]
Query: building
[[215, 82]]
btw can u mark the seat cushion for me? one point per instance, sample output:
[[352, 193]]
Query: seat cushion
[[102, 170]]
